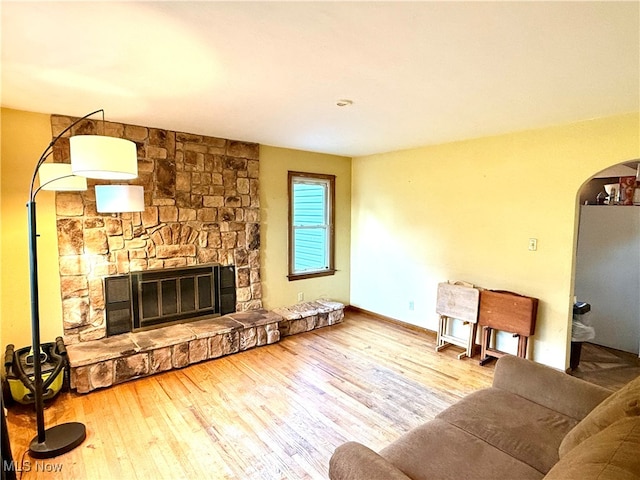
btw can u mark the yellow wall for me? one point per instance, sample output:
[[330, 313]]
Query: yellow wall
[[465, 211], [278, 291], [24, 137]]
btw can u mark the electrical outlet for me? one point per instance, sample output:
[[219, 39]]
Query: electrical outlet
[[411, 305], [533, 244], [300, 296]]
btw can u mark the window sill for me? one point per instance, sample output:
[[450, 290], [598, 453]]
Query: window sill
[[302, 276]]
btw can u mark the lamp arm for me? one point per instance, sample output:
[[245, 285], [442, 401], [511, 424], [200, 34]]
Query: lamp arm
[[48, 151], [40, 187], [43, 157]]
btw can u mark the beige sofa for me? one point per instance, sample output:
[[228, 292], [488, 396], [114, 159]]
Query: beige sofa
[[534, 422]]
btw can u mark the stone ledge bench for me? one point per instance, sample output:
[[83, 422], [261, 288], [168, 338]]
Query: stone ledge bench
[[112, 360], [307, 316]]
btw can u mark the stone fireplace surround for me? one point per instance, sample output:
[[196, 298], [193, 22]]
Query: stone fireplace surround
[[202, 206]]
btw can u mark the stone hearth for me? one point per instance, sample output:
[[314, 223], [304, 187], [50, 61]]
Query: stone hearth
[[109, 361]]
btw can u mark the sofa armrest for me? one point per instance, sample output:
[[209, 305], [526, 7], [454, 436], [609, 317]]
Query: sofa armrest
[[545, 386], [354, 461]]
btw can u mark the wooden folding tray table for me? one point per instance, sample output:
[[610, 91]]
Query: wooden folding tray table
[[508, 312], [457, 302]]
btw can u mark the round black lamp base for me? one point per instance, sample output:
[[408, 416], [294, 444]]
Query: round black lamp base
[[58, 440]]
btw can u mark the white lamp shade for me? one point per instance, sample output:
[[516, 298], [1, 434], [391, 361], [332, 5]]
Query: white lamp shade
[[59, 177], [119, 198], [106, 158]]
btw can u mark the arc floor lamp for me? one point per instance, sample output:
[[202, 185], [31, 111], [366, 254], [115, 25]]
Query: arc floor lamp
[[92, 156]]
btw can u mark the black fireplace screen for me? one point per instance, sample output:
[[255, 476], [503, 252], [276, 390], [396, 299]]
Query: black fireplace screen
[[154, 297]]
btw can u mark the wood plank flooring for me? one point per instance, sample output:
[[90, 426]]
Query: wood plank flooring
[[274, 412], [607, 367]]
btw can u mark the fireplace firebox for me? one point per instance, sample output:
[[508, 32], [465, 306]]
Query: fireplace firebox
[[152, 298]]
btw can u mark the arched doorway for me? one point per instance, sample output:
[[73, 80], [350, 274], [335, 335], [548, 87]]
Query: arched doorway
[[607, 273]]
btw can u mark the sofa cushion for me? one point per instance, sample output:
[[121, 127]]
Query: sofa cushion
[[620, 404], [611, 454], [439, 450], [353, 460], [548, 387], [520, 428]]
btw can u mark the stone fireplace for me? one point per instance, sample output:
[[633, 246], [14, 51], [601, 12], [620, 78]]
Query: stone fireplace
[[201, 226], [202, 207]]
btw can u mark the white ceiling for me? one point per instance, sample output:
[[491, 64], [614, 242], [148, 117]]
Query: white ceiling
[[418, 73]]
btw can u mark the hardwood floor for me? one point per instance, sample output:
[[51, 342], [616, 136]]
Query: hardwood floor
[[607, 367], [274, 412]]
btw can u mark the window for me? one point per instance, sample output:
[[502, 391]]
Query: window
[[311, 216]]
